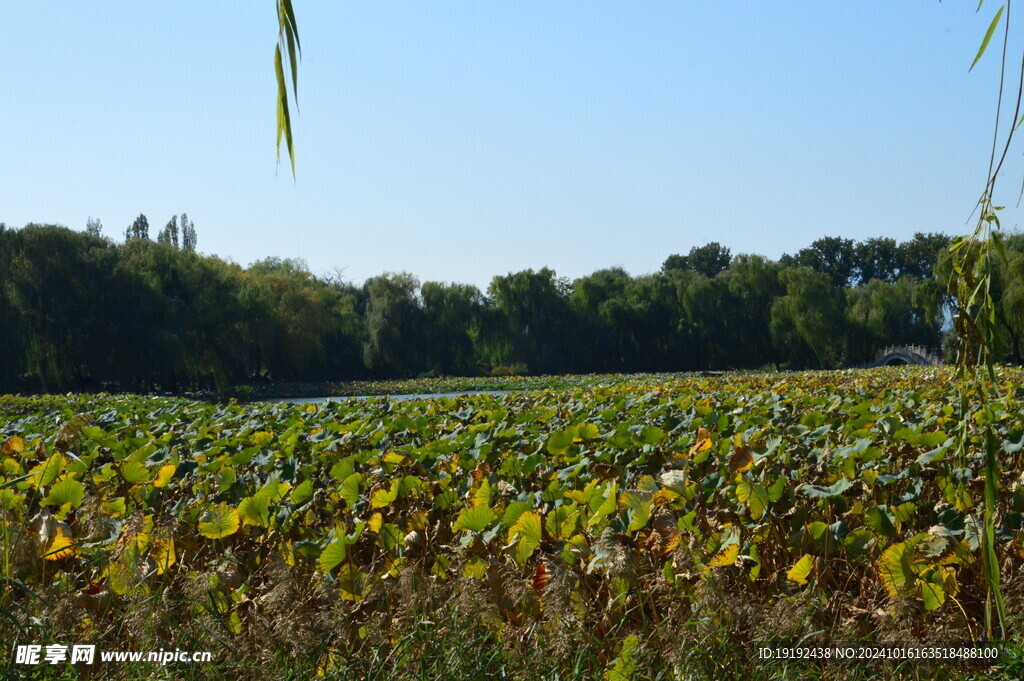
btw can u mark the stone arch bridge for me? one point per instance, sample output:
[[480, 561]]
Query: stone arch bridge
[[898, 355]]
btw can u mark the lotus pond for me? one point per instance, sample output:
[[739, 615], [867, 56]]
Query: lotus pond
[[645, 528]]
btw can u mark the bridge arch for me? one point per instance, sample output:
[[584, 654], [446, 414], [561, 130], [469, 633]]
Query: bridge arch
[[903, 355]]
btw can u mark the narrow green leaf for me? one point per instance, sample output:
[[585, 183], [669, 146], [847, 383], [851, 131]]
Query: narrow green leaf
[[990, 561], [284, 121], [291, 36], [289, 14], [281, 96], [988, 36]]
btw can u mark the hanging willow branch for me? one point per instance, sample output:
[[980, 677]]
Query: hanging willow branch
[[288, 48], [977, 330]]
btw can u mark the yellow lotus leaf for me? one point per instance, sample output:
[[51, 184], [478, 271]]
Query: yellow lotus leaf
[[164, 475], [742, 459], [726, 556], [163, 554], [60, 543], [262, 438], [12, 445], [219, 521], [703, 442], [801, 570]]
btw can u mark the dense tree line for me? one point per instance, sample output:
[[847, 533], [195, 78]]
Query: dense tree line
[[80, 312]]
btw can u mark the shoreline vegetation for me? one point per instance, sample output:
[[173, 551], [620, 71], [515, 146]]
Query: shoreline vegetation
[[432, 385], [451, 384], [610, 527], [426, 386], [83, 313]]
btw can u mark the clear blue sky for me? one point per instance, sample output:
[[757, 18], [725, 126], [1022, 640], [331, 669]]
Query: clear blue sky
[[459, 140]]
